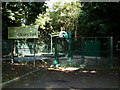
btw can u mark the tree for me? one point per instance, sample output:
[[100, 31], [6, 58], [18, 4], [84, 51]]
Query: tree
[[99, 19], [20, 13], [60, 16]]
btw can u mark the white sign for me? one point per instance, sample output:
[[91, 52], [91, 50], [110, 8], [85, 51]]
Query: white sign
[[23, 32]]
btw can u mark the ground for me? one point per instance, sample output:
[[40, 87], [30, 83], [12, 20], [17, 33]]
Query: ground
[[16, 69], [65, 78]]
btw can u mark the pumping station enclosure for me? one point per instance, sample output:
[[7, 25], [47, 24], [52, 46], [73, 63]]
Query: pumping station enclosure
[[64, 49]]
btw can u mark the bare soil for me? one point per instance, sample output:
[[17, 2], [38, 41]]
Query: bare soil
[[66, 78]]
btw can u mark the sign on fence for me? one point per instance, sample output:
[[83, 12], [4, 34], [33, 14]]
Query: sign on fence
[[23, 32]]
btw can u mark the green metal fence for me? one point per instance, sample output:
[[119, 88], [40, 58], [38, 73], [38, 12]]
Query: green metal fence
[[86, 51], [25, 47], [76, 51]]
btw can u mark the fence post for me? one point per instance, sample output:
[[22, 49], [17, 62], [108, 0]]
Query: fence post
[[34, 53], [51, 43], [111, 51], [82, 45], [12, 58], [70, 51], [56, 60], [96, 52]]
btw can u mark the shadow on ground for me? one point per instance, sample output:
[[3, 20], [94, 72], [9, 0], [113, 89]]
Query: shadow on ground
[[59, 78]]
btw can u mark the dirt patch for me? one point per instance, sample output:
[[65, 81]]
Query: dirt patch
[[13, 70], [61, 77]]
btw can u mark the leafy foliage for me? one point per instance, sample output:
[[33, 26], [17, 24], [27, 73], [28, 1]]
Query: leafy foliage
[[59, 17], [84, 19], [20, 13], [99, 19]]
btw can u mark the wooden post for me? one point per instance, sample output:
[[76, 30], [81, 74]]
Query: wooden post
[[51, 43], [34, 53], [12, 60]]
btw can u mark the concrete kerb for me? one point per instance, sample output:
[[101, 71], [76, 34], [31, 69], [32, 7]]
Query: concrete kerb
[[19, 77]]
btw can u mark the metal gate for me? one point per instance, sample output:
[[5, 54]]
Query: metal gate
[[87, 51]]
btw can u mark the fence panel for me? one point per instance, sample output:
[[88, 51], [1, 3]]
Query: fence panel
[[87, 51]]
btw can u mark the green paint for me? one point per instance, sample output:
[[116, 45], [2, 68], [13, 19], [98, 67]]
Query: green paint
[[56, 60], [70, 51], [92, 48]]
